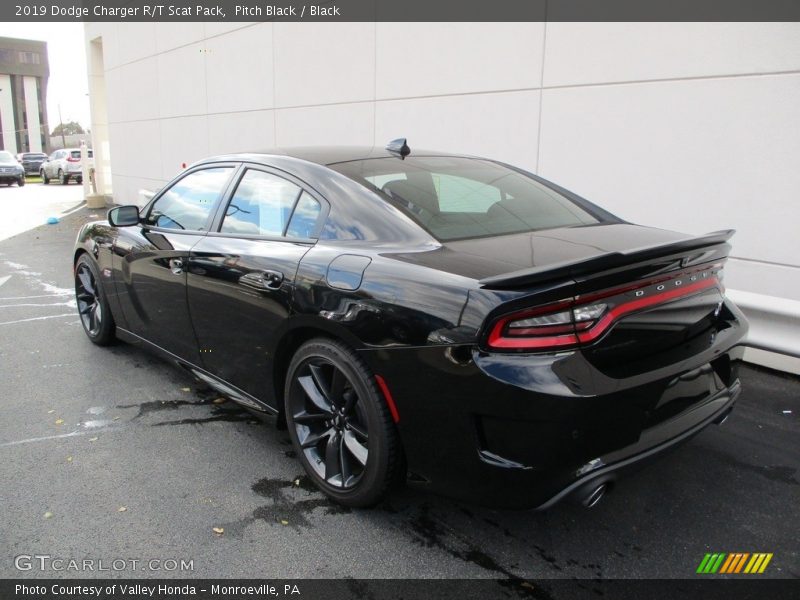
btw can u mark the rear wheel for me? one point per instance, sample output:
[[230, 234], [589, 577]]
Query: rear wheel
[[21, 181], [96, 318], [62, 179], [340, 425], [45, 178]]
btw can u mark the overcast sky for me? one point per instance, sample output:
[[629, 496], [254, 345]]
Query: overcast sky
[[68, 84]]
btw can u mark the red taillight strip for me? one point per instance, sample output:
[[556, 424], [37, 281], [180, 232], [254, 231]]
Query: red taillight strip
[[389, 400], [498, 337], [498, 340], [628, 307], [532, 342]]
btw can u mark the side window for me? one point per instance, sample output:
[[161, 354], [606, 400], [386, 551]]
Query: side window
[[188, 203], [261, 205], [304, 219]]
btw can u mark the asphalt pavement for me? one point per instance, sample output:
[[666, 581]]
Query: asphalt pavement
[[109, 454]]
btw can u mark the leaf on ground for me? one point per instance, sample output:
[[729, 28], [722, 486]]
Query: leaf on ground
[[220, 401], [69, 459], [116, 418], [218, 530], [94, 439], [297, 482], [50, 412], [284, 522], [59, 421], [48, 515], [186, 389], [122, 509]]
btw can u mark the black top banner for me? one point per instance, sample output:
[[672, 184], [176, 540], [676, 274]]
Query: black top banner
[[400, 10]]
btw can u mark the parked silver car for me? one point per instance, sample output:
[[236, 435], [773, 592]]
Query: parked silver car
[[64, 165]]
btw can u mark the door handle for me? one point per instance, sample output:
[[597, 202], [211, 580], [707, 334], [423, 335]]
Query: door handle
[[263, 280], [176, 265]]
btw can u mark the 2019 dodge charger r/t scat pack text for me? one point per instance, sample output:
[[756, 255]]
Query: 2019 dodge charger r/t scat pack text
[[450, 321]]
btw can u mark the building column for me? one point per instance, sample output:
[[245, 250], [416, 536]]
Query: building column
[[7, 115], [32, 113]]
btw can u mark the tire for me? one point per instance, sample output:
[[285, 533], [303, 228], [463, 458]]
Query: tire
[[20, 182], [95, 314], [45, 178], [340, 425], [62, 179]]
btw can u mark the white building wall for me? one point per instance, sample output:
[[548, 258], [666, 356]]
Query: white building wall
[[7, 115], [32, 112], [693, 127]]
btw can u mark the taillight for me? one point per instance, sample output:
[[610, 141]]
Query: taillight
[[71, 158], [583, 319]]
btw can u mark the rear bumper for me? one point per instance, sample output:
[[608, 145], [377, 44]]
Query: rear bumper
[[525, 431], [599, 474]]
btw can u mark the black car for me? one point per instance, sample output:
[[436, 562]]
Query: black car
[[10, 170], [449, 321], [32, 162]]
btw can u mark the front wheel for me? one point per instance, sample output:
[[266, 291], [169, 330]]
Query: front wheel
[[340, 425], [21, 181], [96, 318], [45, 178]]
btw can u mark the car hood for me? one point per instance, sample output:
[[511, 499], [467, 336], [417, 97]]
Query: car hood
[[490, 256]]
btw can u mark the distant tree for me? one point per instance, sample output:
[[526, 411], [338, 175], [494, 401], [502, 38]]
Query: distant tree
[[68, 129]]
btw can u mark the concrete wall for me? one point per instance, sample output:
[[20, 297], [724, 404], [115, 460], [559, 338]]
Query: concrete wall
[[691, 127]]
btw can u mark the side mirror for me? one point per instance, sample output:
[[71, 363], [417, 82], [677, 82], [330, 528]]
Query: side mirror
[[124, 216]]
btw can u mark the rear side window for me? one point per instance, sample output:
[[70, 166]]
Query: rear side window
[[459, 198], [188, 203], [77, 154], [269, 205]]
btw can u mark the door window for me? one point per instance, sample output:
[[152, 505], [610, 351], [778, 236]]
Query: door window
[[188, 203], [269, 205]]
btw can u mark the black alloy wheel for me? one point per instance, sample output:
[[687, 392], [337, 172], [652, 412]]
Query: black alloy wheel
[[93, 309], [339, 424]]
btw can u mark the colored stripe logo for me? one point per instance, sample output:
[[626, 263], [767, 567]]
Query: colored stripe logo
[[736, 562]]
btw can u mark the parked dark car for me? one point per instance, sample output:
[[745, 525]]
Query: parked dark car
[[10, 170], [449, 321], [32, 162]]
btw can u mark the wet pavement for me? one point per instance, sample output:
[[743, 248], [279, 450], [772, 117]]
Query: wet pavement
[[113, 454]]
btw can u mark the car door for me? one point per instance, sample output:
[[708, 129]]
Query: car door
[[151, 259], [242, 275], [48, 165]]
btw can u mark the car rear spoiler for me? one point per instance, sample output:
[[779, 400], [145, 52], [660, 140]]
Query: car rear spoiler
[[603, 262]]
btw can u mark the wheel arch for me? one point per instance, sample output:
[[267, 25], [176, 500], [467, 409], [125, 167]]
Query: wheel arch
[[295, 335]]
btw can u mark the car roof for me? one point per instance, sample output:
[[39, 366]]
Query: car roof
[[325, 155]]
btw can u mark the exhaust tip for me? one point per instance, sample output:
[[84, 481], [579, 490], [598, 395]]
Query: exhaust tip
[[593, 497]]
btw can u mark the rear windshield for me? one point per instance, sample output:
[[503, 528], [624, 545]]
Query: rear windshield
[[77, 154], [458, 198]]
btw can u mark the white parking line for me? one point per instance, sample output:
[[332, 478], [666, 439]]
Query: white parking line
[[72, 314], [60, 436]]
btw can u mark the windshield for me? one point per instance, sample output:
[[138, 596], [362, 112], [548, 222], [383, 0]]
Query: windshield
[[6, 157], [458, 198]]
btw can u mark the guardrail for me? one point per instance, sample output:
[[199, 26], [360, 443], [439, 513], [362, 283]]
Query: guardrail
[[774, 322]]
